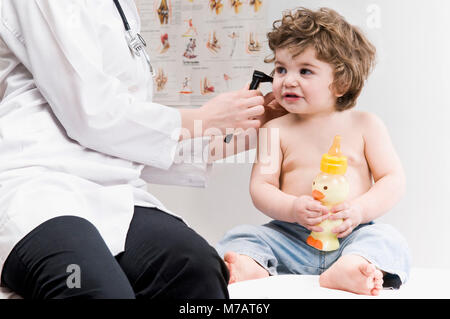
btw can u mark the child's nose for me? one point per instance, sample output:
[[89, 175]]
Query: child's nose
[[291, 80]]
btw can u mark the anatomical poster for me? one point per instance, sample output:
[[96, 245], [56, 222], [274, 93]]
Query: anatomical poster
[[200, 48]]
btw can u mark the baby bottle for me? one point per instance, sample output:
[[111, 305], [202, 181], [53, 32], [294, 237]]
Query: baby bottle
[[330, 187]]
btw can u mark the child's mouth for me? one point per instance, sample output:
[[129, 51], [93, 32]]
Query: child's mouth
[[291, 97]]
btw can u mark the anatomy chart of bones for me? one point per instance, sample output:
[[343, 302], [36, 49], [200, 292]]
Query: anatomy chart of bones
[[200, 48]]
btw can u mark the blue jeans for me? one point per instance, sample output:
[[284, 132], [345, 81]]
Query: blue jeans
[[281, 248]]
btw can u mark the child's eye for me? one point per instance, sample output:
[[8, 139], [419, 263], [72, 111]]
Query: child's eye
[[305, 71], [280, 70], [325, 187]]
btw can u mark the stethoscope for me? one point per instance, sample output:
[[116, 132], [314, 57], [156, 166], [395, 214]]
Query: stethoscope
[[135, 42]]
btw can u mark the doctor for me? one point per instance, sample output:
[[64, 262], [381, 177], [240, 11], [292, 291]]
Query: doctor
[[79, 139]]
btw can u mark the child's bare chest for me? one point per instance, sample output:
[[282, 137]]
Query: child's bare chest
[[306, 146], [303, 147], [303, 151]]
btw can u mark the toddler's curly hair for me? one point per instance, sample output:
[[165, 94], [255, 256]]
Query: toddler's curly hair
[[335, 41]]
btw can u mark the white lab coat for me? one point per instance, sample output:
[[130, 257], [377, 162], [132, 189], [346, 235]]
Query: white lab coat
[[79, 134]]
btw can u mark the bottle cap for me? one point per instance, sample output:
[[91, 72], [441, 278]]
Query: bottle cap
[[334, 162]]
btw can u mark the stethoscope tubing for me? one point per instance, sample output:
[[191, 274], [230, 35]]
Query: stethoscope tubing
[[122, 15], [135, 47]]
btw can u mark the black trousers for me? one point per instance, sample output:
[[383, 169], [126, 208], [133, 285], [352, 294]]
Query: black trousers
[[65, 257]]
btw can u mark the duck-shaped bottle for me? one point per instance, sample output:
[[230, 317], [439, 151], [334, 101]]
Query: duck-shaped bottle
[[331, 188]]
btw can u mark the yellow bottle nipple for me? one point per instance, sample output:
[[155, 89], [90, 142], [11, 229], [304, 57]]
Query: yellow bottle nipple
[[335, 149], [333, 162]]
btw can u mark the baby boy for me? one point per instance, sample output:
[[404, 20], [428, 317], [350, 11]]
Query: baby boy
[[321, 64]]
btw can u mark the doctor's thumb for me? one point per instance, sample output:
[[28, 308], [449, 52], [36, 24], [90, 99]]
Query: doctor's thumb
[[246, 87]]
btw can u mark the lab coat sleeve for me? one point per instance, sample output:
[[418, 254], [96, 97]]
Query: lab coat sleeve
[[64, 55], [190, 166]]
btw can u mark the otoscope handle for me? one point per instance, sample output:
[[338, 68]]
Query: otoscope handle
[[255, 83], [257, 78], [253, 86]]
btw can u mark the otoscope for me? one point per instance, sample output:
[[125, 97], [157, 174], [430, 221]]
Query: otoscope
[[258, 77]]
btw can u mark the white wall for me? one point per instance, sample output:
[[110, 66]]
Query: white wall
[[409, 90]]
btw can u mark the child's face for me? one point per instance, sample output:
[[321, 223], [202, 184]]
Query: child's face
[[302, 84]]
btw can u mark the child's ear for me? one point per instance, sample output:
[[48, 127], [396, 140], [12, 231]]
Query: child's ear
[[340, 91], [337, 93]]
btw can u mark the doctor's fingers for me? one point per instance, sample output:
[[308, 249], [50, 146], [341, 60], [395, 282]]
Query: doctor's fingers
[[254, 111], [249, 102], [246, 92], [245, 125], [246, 87]]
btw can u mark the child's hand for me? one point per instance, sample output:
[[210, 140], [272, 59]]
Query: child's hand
[[272, 109], [309, 212], [350, 213]]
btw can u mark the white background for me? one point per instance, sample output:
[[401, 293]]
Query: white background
[[409, 90]]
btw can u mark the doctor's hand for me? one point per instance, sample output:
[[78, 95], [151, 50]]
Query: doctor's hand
[[238, 110], [309, 212]]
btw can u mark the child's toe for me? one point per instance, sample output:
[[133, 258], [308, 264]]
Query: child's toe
[[368, 270], [378, 274], [379, 283], [375, 292]]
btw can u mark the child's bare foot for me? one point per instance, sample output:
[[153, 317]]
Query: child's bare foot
[[242, 267], [354, 274]]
